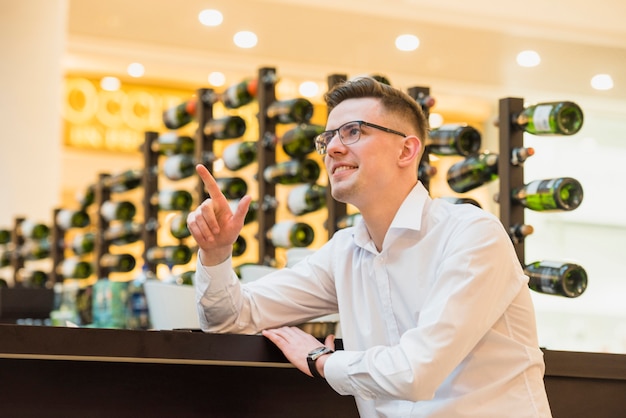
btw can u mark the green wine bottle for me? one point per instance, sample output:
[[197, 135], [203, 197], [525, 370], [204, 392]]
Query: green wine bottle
[[120, 211], [228, 127], [180, 115], [550, 118], [473, 172], [182, 166], [178, 225], [454, 139], [36, 249], [299, 141], [425, 171], [75, 268], [170, 255], [67, 218], [292, 172], [5, 236], [239, 155], [123, 233], [232, 187], [5, 258], [349, 220], [124, 181], [186, 278], [298, 110], [169, 143], [83, 243], [306, 198], [239, 246], [33, 230], [558, 194], [288, 234], [118, 263], [86, 197], [557, 278], [519, 232], [32, 278], [521, 154], [173, 200], [240, 94]]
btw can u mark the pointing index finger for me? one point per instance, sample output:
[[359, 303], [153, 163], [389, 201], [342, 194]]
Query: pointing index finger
[[209, 181]]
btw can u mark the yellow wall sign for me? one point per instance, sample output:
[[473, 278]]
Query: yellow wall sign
[[114, 120]]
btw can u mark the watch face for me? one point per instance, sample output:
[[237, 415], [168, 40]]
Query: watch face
[[317, 351]]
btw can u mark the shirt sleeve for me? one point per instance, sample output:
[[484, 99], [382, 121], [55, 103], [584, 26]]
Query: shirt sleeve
[[477, 278]]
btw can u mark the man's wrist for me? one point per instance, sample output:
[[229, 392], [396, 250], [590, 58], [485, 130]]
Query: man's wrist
[[215, 256], [312, 360]]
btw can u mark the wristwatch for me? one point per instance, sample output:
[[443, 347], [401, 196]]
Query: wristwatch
[[312, 357]]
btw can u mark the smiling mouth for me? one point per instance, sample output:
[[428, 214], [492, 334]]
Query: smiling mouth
[[343, 168]]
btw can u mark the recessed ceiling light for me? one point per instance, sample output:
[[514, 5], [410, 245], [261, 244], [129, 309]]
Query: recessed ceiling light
[[407, 42], [110, 83], [210, 17], [135, 69], [245, 39], [217, 79], [602, 82], [528, 58]]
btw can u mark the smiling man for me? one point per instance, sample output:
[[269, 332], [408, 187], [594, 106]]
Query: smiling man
[[435, 311]]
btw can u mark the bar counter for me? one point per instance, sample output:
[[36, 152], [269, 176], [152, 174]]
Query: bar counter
[[83, 372]]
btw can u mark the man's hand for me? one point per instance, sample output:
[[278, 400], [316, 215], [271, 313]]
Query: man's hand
[[296, 345], [213, 225]]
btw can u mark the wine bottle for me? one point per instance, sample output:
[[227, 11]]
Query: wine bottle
[[178, 225], [518, 232], [120, 211], [170, 143], [138, 315], [32, 278], [306, 198], [86, 197], [298, 110], [83, 243], [240, 94], [425, 171], [299, 141], [288, 234], [461, 200], [33, 230], [182, 166], [521, 154], [124, 181], [36, 249], [180, 115], [557, 278], [75, 268], [123, 233], [251, 215], [550, 118], [5, 236], [558, 194], [118, 263], [67, 219], [3, 283], [186, 278], [5, 258], [239, 155], [473, 172], [239, 246], [170, 255], [173, 200], [454, 139], [227, 127], [232, 187], [349, 220], [292, 172]]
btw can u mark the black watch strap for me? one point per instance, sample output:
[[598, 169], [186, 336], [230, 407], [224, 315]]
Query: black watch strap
[[312, 357]]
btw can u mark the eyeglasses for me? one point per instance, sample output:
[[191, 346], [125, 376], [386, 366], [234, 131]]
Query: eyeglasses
[[349, 133]]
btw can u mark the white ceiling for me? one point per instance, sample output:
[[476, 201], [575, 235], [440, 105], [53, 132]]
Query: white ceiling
[[467, 49]]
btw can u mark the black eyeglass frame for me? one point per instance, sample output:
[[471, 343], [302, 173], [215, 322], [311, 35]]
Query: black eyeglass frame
[[321, 143]]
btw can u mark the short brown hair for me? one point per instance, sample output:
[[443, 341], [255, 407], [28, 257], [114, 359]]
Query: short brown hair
[[392, 99]]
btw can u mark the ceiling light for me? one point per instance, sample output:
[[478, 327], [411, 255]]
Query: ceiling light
[[407, 42], [135, 69], [110, 83], [245, 39], [210, 17], [528, 58], [435, 120], [309, 89], [602, 82], [217, 79]]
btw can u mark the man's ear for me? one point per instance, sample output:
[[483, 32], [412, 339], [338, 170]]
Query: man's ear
[[411, 150]]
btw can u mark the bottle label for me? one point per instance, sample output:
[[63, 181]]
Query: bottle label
[[296, 200], [171, 167], [279, 234], [108, 210], [68, 267], [230, 156], [541, 118], [64, 219]]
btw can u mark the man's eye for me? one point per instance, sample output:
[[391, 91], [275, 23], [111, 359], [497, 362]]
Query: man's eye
[[353, 130]]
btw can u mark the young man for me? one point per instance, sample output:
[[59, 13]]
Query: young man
[[435, 311]]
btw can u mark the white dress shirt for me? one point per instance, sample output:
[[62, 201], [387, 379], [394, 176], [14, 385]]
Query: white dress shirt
[[440, 323]]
